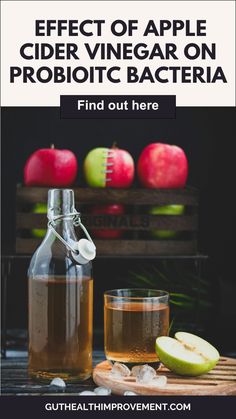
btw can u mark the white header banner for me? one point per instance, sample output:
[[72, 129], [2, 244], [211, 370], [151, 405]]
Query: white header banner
[[182, 48]]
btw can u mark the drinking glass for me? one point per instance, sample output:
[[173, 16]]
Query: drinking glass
[[133, 319]]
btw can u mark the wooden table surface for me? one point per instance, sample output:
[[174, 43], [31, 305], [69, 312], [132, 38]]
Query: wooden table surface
[[15, 380]]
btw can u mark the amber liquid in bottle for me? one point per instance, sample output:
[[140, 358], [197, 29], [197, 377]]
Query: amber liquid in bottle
[[60, 300], [60, 328]]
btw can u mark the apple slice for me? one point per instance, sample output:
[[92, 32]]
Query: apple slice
[[188, 354]]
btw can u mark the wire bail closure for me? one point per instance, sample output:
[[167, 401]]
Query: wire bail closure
[[75, 250]]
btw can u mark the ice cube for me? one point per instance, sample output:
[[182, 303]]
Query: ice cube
[[160, 381], [145, 374], [87, 393], [120, 370], [130, 393], [102, 391], [135, 370], [58, 382]]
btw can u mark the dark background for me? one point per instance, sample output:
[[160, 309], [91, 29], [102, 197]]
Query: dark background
[[206, 134]]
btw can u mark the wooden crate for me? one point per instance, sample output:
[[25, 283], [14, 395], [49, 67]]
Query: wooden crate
[[136, 223]]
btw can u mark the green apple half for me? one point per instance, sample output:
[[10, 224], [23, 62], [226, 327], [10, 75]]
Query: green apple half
[[95, 166], [187, 354], [166, 210]]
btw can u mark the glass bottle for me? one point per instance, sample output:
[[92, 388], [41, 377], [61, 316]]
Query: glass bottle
[[61, 296]]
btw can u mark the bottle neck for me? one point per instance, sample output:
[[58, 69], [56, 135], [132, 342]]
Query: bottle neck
[[61, 203], [65, 228]]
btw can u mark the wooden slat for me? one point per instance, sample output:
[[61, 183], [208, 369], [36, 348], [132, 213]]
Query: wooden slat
[[138, 196], [177, 379], [210, 376], [26, 220], [124, 247], [227, 361], [145, 247], [123, 222]]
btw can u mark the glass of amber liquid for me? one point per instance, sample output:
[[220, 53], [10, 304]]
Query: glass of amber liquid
[[133, 319]]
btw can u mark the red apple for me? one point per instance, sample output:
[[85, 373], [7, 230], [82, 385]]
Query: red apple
[[112, 209], [50, 167], [109, 167], [162, 166]]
